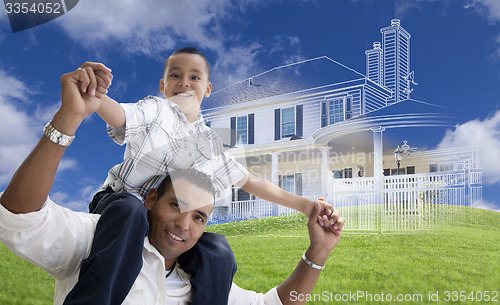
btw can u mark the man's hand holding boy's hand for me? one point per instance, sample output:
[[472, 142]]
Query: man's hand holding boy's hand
[[80, 95]]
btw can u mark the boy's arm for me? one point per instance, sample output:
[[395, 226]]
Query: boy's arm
[[31, 184], [111, 112], [322, 241], [273, 193]]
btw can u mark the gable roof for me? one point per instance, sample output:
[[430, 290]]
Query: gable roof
[[307, 74]]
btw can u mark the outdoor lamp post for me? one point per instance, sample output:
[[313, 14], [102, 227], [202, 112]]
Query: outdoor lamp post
[[397, 156]]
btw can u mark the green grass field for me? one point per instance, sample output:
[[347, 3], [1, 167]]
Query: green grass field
[[460, 260]]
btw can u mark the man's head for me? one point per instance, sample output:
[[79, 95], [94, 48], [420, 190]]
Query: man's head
[[178, 212], [186, 80]]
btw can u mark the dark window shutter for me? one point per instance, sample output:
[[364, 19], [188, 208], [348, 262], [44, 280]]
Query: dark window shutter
[[324, 118], [251, 128], [234, 134], [299, 121], [277, 124], [280, 181], [298, 184]]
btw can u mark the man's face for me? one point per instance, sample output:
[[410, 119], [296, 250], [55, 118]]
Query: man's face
[[185, 82], [178, 218]]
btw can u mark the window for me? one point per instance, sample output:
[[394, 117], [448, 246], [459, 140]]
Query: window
[[289, 184], [242, 128], [433, 168], [337, 174], [402, 171], [288, 122], [348, 172], [446, 167], [241, 195], [335, 110]]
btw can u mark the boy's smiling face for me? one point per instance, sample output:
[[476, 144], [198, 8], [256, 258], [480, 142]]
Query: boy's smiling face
[[185, 82]]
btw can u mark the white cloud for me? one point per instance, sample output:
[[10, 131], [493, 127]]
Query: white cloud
[[488, 8], [78, 201], [486, 205], [148, 27], [62, 199], [484, 134], [235, 64], [18, 134], [20, 129], [67, 163]]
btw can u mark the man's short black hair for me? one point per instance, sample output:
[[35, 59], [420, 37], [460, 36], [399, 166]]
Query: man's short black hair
[[194, 176], [189, 50]]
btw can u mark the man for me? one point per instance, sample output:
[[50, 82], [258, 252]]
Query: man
[[57, 239]]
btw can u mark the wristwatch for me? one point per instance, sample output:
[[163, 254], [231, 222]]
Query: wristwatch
[[56, 136]]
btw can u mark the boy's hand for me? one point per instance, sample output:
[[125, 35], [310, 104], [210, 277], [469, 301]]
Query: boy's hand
[[81, 90], [326, 216], [96, 78]]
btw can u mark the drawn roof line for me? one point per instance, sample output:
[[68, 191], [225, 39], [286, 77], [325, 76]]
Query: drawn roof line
[[290, 65], [427, 103]]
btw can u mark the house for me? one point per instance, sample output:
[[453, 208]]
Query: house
[[316, 127]]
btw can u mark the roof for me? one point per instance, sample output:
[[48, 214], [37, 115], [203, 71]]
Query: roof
[[408, 106], [407, 113], [303, 75]]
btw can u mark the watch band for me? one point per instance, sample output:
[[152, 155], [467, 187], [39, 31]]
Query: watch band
[[56, 136], [313, 265]]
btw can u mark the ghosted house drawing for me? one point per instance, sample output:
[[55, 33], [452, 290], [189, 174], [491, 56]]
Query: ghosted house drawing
[[316, 128]]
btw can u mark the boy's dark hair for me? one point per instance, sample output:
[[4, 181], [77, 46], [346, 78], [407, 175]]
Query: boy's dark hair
[[194, 176], [188, 50]]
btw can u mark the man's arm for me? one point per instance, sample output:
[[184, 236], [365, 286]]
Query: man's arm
[[273, 193], [323, 240], [31, 184]]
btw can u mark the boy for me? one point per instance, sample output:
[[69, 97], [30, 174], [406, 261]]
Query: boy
[[163, 135]]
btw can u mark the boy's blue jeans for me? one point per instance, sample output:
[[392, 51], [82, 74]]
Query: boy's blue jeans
[[115, 259]]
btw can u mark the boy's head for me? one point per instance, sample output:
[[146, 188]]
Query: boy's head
[[188, 50], [186, 80]]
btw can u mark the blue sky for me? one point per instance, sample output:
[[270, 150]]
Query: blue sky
[[455, 53]]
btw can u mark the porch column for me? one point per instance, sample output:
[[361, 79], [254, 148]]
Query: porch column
[[274, 178], [325, 171], [378, 173], [378, 154]]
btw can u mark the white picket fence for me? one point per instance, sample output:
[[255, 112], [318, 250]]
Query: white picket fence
[[390, 204], [407, 202]]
